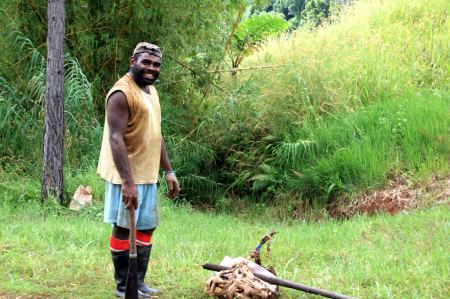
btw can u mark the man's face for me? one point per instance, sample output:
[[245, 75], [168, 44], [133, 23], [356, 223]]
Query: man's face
[[145, 69]]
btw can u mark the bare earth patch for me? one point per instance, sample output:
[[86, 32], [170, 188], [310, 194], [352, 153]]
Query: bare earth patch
[[398, 197]]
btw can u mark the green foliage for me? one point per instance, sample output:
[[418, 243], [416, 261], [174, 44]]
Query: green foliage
[[21, 128], [315, 12], [267, 181], [101, 35], [305, 13], [293, 153], [291, 8], [344, 107], [316, 121], [252, 31], [193, 162], [23, 107], [344, 153], [258, 28]]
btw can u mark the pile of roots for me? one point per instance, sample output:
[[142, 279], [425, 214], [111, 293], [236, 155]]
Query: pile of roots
[[239, 283]]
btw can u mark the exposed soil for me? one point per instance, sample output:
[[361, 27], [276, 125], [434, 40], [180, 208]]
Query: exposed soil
[[399, 197]]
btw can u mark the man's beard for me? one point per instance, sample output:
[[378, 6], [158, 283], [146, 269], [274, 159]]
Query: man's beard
[[139, 77]]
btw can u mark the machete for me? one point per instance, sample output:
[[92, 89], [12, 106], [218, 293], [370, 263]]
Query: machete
[[131, 288]]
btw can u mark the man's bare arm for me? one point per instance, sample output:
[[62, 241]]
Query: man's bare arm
[[118, 114], [165, 163], [172, 182]]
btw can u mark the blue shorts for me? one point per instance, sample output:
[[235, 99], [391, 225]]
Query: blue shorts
[[147, 213]]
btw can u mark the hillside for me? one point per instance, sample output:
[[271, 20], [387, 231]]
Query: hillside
[[341, 109]]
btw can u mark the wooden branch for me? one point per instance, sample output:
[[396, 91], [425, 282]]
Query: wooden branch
[[218, 71], [230, 38], [193, 71], [247, 68], [175, 82], [284, 283], [236, 22], [36, 10]]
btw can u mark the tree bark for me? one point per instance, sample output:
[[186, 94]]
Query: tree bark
[[53, 158]]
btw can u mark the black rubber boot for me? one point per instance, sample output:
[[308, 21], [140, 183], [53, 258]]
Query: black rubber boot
[[143, 258], [121, 261]]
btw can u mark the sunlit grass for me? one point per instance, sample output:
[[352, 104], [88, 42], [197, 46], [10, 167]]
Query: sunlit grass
[[52, 252], [377, 50], [363, 149]]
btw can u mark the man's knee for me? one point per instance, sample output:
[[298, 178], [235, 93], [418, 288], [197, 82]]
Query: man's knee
[[143, 237], [121, 233]]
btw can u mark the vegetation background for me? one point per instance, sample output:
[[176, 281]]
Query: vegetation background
[[275, 110]]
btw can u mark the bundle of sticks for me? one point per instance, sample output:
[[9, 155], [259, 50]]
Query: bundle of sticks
[[239, 282], [246, 281]]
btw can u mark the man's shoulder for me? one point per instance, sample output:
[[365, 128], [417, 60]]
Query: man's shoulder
[[126, 80], [124, 84]]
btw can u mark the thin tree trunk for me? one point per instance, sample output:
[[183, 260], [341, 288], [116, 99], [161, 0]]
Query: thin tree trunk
[[53, 159], [230, 38]]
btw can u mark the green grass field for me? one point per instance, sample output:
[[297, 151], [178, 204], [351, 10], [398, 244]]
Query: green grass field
[[51, 252], [344, 109]]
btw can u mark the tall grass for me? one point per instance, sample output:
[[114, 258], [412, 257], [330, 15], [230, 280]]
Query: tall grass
[[350, 151], [345, 106], [364, 148], [376, 50], [48, 251]]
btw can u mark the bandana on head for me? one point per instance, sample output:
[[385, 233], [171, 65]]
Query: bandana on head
[[144, 47]]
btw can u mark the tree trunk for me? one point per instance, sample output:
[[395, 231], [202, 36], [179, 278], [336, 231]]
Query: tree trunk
[[53, 159]]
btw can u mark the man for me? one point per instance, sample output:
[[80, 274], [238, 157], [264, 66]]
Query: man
[[132, 152]]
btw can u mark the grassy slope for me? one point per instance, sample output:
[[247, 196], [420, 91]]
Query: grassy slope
[[354, 103], [377, 50], [55, 253]]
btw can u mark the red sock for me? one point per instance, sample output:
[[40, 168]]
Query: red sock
[[117, 245], [143, 239]]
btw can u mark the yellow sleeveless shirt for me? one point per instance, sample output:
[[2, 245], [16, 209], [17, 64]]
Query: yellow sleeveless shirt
[[142, 137]]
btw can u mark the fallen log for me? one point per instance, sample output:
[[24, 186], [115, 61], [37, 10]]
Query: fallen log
[[284, 283]]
